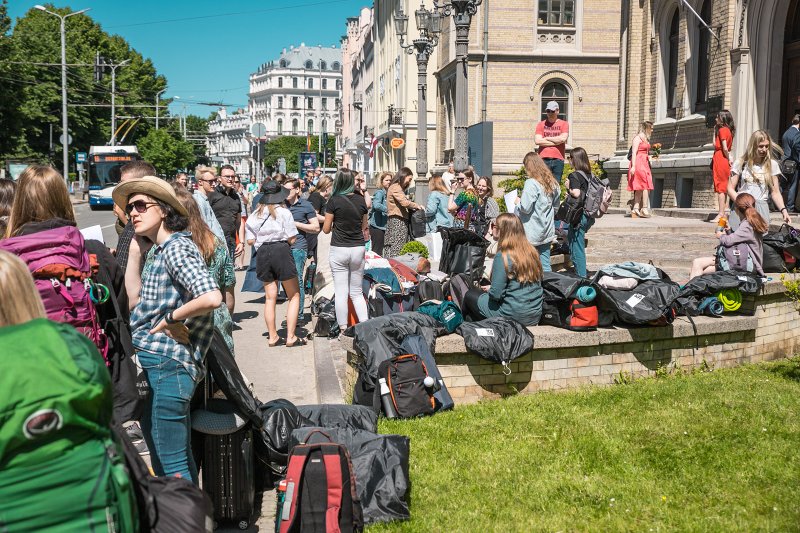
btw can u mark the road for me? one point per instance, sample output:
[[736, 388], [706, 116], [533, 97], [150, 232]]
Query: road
[[104, 218]]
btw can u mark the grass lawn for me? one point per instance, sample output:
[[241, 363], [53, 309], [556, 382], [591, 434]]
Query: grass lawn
[[711, 451]]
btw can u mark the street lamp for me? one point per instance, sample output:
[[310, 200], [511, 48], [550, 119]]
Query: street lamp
[[64, 125], [429, 26], [158, 100], [113, 68], [462, 11]]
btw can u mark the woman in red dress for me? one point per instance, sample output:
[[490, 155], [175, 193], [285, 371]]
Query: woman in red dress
[[640, 177], [720, 163]]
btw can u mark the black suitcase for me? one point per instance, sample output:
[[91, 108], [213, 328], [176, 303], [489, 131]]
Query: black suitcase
[[229, 476]]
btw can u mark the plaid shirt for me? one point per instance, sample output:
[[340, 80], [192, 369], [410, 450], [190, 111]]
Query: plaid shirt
[[174, 273]]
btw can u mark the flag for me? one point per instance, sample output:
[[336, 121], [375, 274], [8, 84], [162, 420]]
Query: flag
[[373, 143]]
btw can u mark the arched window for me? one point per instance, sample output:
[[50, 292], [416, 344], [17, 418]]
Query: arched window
[[280, 126], [294, 126], [309, 64], [556, 12], [336, 66], [294, 83], [280, 82], [673, 44], [310, 126], [703, 51], [558, 92], [310, 83], [324, 83], [323, 65]]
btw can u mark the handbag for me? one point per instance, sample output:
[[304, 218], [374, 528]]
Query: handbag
[[570, 210], [788, 167], [418, 224], [463, 251]]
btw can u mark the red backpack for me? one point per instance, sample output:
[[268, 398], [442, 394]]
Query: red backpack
[[62, 272]]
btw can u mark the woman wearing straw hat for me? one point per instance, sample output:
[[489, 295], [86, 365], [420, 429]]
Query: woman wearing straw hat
[[272, 230], [172, 300]]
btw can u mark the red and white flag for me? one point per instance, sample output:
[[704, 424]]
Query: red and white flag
[[373, 143]]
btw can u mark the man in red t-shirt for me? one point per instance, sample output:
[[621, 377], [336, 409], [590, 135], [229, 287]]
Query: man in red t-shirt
[[551, 138]]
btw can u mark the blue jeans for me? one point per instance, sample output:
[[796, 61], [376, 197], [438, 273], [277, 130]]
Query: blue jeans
[[577, 247], [790, 191], [544, 256], [556, 166], [166, 424], [300, 257]]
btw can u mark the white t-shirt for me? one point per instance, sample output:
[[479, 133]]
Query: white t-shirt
[[755, 182], [264, 228]]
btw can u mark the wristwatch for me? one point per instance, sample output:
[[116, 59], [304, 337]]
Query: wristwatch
[[169, 320]]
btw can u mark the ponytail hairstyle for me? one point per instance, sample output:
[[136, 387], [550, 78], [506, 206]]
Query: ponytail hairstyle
[[745, 206], [536, 169], [525, 266]]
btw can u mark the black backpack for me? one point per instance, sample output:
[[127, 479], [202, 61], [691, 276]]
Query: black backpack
[[318, 480], [428, 289], [405, 375]]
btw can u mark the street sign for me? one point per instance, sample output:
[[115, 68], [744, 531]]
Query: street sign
[[80, 157], [61, 139], [217, 159], [397, 143], [258, 129]]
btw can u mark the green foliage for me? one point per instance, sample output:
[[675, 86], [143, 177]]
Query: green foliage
[[691, 452], [414, 247], [31, 95], [791, 284], [166, 151], [289, 147]]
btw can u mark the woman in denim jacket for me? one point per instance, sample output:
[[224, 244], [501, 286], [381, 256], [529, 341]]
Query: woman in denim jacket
[[436, 211], [378, 214]]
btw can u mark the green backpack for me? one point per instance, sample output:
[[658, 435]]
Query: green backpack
[[60, 469]]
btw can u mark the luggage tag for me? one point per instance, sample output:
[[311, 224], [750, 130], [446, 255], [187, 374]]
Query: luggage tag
[[635, 300], [287, 502], [484, 332]]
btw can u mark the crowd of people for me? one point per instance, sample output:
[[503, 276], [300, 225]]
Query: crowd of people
[[172, 272]]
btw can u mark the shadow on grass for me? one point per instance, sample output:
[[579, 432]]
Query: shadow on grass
[[789, 369]]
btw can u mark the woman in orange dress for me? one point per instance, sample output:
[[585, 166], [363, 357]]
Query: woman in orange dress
[[640, 177], [720, 163]]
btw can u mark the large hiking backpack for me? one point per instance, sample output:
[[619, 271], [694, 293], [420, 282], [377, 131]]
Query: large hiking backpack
[[319, 492], [62, 272], [598, 196], [405, 377], [734, 257]]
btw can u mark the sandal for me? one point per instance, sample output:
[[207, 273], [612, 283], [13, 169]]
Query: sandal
[[299, 341], [635, 213], [645, 213], [278, 342]]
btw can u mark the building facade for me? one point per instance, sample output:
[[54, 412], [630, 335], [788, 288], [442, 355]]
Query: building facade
[[299, 92], [678, 73], [229, 140], [358, 121], [524, 54]]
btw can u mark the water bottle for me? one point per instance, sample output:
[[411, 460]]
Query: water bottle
[[386, 400], [280, 497], [722, 224]]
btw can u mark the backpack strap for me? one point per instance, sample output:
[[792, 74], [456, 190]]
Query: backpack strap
[[333, 475], [287, 516]]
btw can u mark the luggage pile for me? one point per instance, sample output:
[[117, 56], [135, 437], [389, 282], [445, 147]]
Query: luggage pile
[[781, 249]]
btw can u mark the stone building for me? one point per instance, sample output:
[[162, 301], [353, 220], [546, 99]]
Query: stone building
[[678, 74], [357, 118], [524, 54], [228, 140]]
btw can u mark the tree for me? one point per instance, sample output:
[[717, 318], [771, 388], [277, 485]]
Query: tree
[[165, 151], [290, 147]]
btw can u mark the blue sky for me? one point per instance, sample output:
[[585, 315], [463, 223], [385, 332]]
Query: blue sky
[[207, 49]]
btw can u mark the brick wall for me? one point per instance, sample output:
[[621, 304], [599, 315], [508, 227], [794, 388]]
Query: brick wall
[[563, 359]]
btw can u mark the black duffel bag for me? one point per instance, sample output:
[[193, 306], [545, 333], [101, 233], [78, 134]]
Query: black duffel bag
[[570, 210], [463, 252]]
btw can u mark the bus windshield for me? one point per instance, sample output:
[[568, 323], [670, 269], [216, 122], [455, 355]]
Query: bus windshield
[[104, 169]]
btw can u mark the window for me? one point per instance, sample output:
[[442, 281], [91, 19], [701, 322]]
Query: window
[[295, 102], [703, 51], [310, 103], [280, 102], [672, 65], [310, 83], [294, 126], [294, 83], [283, 63], [338, 85], [280, 126], [323, 65], [558, 92], [309, 64], [337, 103], [325, 103], [336, 65], [310, 126], [324, 125], [557, 12], [324, 84], [280, 82]]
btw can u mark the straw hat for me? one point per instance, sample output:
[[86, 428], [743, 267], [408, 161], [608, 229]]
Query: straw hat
[[151, 186]]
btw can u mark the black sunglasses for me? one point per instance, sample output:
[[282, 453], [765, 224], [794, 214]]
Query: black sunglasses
[[140, 205]]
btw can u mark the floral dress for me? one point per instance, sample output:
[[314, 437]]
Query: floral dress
[[465, 199]]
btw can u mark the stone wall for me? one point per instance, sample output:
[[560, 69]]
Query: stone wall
[[563, 359]]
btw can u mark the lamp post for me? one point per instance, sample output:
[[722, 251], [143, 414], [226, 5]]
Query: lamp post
[[429, 24], [158, 100], [462, 11], [113, 68], [64, 125]]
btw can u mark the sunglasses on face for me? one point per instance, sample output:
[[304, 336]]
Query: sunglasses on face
[[140, 205]]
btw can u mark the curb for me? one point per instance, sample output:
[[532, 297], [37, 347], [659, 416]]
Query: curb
[[328, 387]]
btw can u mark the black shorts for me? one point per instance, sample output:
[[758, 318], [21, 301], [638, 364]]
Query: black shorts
[[274, 262]]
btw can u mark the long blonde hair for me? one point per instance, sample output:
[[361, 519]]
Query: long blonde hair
[[525, 264], [536, 169], [19, 300], [751, 153], [41, 195]]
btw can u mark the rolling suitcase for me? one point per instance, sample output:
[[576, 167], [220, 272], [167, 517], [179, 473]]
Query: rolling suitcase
[[228, 471]]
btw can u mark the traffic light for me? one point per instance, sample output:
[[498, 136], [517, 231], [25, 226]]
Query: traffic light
[[99, 67]]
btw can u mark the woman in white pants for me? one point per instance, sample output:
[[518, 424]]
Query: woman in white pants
[[346, 216]]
